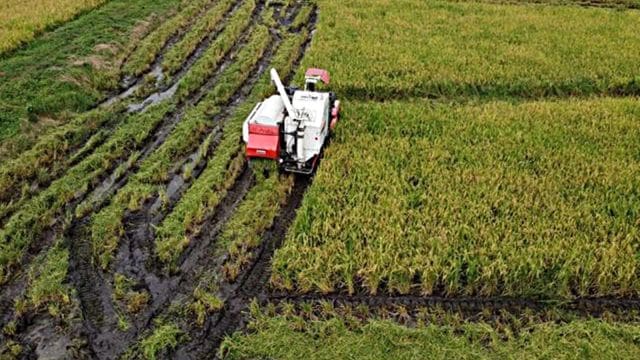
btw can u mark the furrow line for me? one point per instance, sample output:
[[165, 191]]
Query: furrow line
[[199, 267], [251, 284], [252, 281], [103, 339], [588, 307], [140, 237], [99, 190]]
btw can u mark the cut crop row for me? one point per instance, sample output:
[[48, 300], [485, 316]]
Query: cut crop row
[[142, 58], [107, 226], [509, 50], [53, 153], [243, 232], [173, 234], [69, 69], [48, 158], [538, 199], [201, 29], [39, 213], [198, 75], [200, 298], [303, 17]]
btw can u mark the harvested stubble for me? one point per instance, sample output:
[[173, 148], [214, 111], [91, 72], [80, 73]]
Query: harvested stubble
[[40, 212], [144, 55], [243, 232], [176, 55], [223, 166], [107, 226], [69, 70], [208, 63]]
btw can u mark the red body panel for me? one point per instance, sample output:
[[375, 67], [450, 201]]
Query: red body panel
[[264, 142], [321, 73]]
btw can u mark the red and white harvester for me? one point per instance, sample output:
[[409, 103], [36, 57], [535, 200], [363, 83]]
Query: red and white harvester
[[292, 127]]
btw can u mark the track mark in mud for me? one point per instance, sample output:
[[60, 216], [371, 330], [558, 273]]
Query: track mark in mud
[[95, 298], [135, 253], [99, 313], [112, 182], [469, 305], [252, 283]]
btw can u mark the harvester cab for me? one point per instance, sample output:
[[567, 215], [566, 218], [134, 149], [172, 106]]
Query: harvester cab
[[292, 127]]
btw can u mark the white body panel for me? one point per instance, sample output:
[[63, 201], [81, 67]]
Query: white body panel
[[313, 113], [269, 112]]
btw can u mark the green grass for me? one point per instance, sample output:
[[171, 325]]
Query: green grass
[[53, 76], [164, 337], [287, 338], [459, 49], [223, 167], [46, 287], [532, 199]]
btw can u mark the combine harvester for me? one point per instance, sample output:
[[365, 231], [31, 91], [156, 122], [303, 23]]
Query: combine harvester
[[293, 127]]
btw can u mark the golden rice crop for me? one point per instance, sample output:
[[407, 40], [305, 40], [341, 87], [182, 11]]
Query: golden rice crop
[[453, 49], [533, 199], [21, 20]]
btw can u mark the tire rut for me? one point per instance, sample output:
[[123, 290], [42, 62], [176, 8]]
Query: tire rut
[[251, 284], [139, 245], [588, 307]]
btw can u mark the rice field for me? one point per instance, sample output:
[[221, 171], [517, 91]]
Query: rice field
[[21, 21], [530, 199], [478, 199], [462, 49]]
